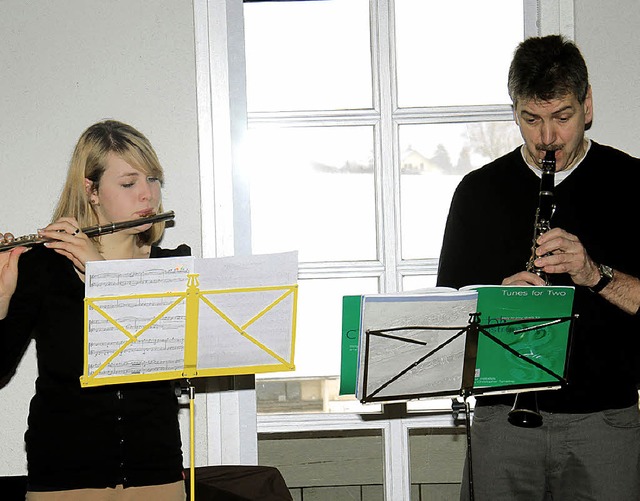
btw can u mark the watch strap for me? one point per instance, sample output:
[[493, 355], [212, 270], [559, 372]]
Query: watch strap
[[606, 275]]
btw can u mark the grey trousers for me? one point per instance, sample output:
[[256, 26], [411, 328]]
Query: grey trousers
[[570, 457]]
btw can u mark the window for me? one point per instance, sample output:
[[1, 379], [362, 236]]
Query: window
[[363, 117]]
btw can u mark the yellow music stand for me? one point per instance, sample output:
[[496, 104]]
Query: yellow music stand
[[126, 334]]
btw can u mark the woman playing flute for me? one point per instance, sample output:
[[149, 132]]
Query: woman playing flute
[[112, 442]]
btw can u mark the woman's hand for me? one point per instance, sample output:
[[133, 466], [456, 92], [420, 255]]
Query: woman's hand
[[8, 273], [66, 238]]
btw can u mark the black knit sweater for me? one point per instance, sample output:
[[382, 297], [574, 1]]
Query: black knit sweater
[[83, 437], [489, 237]]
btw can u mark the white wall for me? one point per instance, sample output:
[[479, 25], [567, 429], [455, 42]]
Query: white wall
[[607, 33], [65, 64]]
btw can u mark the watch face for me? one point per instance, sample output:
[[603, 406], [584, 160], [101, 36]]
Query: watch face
[[606, 271]]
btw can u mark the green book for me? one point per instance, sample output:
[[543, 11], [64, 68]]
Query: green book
[[350, 336], [502, 310]]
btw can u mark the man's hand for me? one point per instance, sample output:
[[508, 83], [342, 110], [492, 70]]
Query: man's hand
[[562, 252], [523, 278]]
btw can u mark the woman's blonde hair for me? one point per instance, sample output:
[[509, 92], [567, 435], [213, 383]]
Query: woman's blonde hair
[[89, 162]]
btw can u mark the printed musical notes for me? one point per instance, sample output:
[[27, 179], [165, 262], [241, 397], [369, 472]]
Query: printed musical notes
[[184, 317]]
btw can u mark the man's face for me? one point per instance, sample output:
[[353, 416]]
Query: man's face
[[558, 125]]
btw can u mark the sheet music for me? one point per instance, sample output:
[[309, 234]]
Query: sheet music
[[524, 337], [161, 346], [124, 277], [414, 361], [245, 313], [220, 343]]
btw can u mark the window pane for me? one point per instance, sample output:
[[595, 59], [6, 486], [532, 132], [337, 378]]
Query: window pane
[[312, 189], [308, 55], [436, 458], [414, 282], [328, 465], [317, 351], [319, 323], [308, 395], [455, 52], [434, 157]]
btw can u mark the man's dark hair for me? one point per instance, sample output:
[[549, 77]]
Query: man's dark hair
[[546, 68]]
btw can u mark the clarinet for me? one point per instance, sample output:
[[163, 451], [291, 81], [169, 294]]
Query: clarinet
[[544, 212], [524, 412], [91, 231]]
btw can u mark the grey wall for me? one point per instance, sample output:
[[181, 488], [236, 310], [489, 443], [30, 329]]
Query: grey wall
[[65, 64]]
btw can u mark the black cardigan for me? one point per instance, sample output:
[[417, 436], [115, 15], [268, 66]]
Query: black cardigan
[[489, 236], [83, 437]]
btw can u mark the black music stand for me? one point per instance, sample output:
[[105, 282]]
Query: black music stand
[[469, 335]]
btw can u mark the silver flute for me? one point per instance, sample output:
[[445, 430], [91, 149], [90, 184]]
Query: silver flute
[[91, 231]]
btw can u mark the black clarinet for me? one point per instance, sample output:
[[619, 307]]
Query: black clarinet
[[524, 412], [545, 210]]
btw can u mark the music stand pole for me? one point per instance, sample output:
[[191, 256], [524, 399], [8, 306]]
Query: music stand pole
[[192, 442], [190, 390]]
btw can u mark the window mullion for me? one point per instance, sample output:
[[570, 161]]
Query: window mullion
[[387, 145]]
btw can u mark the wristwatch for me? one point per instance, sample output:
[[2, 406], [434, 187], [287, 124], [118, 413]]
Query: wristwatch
[[606, 275]]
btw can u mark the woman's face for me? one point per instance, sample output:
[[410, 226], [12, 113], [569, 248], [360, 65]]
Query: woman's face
[[124, 193]]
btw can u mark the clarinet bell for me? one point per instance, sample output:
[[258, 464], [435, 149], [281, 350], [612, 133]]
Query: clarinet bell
[[524, 412]]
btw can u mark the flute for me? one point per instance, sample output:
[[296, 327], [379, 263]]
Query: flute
[[91, 231]]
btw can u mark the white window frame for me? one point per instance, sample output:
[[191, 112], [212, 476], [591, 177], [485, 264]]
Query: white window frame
[[232, 421]]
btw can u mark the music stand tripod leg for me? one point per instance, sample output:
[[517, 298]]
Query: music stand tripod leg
[[468, 375], [467, 415], [456, 407]]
